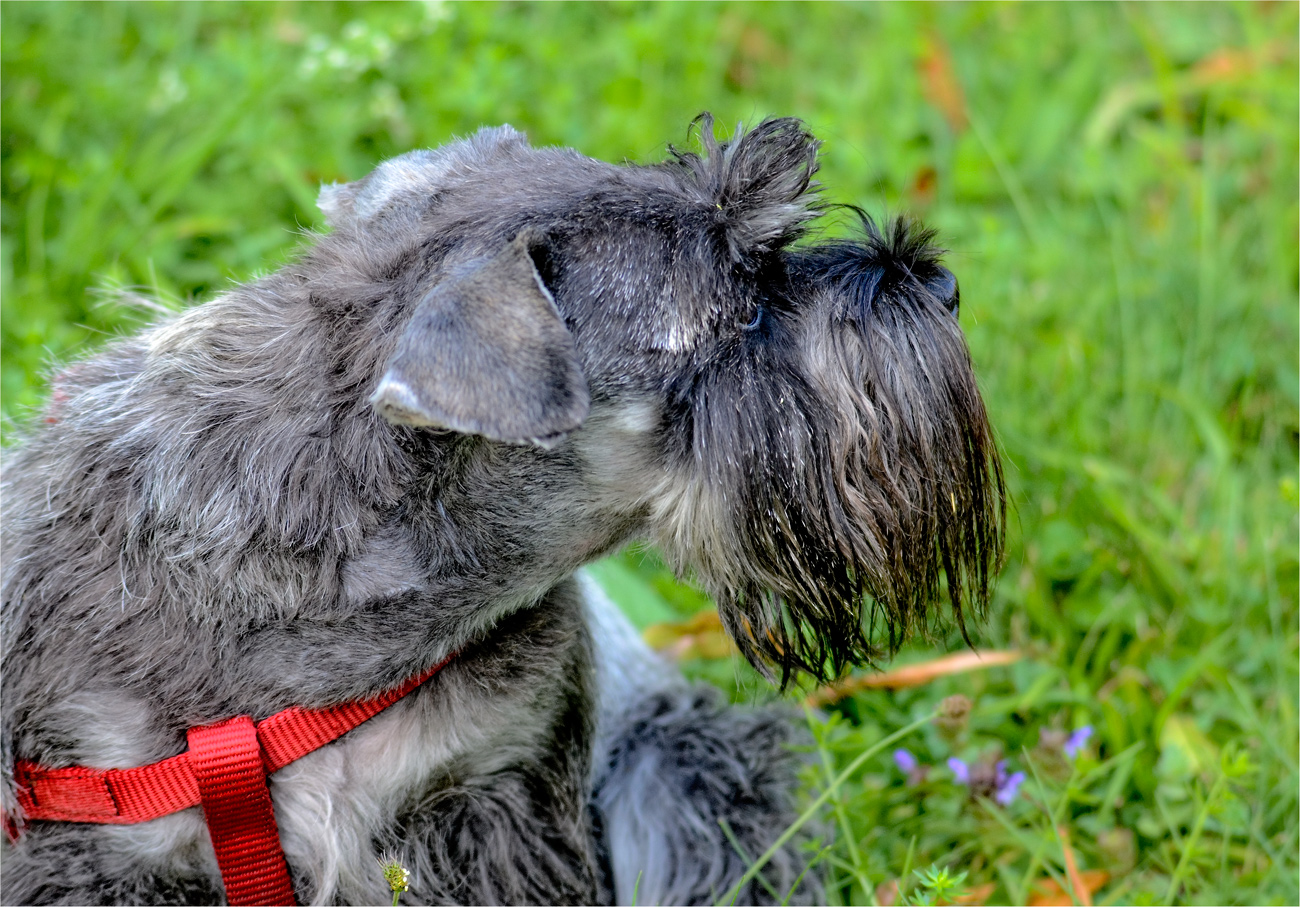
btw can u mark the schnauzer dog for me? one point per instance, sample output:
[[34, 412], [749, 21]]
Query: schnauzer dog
[[391, 455]]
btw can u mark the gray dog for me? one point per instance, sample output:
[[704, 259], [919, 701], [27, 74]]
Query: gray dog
[[500, 364]]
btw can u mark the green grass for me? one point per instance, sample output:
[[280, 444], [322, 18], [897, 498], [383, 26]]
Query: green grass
[[1118, 185]]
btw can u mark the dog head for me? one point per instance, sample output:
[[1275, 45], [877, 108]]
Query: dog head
[[797, 424]]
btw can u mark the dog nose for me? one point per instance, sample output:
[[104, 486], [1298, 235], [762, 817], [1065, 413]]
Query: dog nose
[[944, 287]]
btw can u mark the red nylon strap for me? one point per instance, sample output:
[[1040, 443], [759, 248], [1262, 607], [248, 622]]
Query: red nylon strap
[[116, 796], [227, 763], [125, 796], [295, 732]]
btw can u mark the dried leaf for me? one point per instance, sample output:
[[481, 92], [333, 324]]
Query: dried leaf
[[914, 675], [699, 636], [1049, 894], [1223, 66], [977, 894], [939, 81], [1230, 63], [925, 185], [1081, 892]]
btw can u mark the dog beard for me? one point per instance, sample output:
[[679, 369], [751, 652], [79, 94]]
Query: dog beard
[[852, 483]]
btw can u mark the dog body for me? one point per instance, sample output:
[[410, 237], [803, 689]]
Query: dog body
[[501, 364]]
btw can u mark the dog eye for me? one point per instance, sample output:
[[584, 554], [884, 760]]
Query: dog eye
[[756, 321]]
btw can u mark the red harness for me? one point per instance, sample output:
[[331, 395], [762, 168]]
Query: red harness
[[225, 771]]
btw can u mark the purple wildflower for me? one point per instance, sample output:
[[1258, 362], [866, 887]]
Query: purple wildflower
[[1007, 785], [987, 780], [912, 767], [1078, 740]]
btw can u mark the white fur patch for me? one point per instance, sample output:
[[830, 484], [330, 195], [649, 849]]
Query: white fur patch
[[692, 523], [415, 173], [398, 403], [637, 417], [330, 803], [189, 329]]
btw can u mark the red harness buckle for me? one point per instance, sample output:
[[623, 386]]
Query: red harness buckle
[[225, 770]]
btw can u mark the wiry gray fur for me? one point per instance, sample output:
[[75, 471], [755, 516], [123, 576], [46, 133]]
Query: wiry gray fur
[[501, 363]]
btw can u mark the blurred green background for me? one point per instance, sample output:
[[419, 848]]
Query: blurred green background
[[1118, 186]]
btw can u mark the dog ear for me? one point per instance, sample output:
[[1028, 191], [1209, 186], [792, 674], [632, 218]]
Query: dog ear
[[487, 353], [759, 182]]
